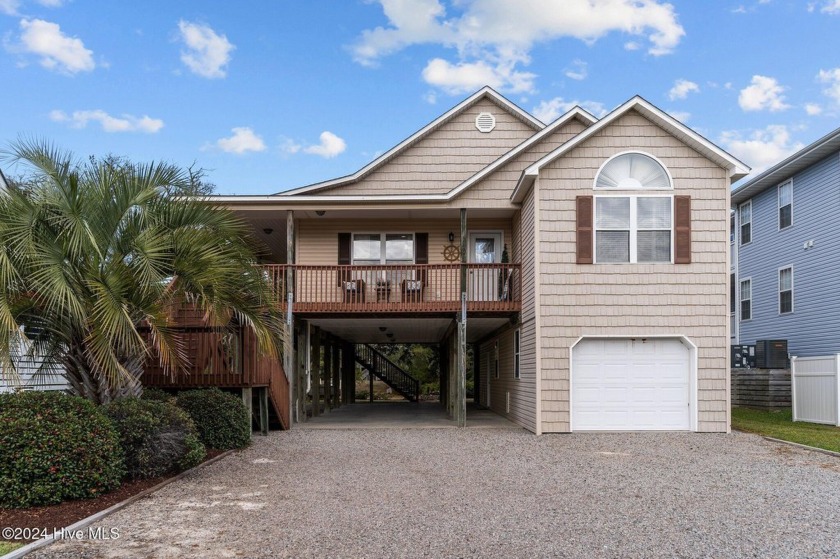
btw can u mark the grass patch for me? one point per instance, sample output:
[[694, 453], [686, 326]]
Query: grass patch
[[8, 547], [780, 425]]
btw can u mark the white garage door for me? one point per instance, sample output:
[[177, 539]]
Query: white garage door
[[630, 385]]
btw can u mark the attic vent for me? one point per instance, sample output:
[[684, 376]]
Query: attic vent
[[485, 122]]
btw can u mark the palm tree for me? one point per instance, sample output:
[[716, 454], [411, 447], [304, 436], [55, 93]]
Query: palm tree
[[93, 254]]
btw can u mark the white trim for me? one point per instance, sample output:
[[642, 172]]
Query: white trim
[[740, 240], [632, 195], [741, 300], [517, 354], [779, 204], [537, 301], [693, 357], [779, 290], [736, 168], [485, 91], [632, 152]]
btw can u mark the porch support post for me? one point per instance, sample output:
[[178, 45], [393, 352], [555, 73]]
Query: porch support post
[[443, 359], [249, 405], [315, 334], [289, 345], [348, 364], [302, 364], [327, 374], [336, 373], [461, 380], [263, 396], [478, 382]]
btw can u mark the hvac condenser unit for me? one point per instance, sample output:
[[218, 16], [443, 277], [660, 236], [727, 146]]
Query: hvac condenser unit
[[771, 354]]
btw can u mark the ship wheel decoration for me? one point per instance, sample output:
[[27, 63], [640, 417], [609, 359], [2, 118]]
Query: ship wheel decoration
[[451, 253]]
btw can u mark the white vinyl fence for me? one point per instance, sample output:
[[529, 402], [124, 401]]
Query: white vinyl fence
[[815, 389]]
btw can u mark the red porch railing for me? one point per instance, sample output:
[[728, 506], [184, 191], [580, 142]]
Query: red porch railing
[[399, 288]]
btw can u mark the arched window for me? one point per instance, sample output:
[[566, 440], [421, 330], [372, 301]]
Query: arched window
[[633, 171]]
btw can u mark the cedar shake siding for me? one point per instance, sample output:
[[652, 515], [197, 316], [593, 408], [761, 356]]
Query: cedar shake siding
[[445, 157], [494, 190], [688, 300]]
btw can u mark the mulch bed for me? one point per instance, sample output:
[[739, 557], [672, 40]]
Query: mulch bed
[[67, 513]]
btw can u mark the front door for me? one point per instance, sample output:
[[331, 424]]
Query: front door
[[484, 248]]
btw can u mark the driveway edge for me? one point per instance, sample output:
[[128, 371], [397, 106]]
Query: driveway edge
[[797, 445], [85, 522]]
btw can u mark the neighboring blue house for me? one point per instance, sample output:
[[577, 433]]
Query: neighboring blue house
[[787, 252]]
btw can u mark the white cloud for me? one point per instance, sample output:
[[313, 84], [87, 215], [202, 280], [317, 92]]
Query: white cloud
[[548, 111], [764, 93], [243, 140], [330, 146], [208, 53], [761, 148], [9, 7], [832, 79], [813, 109], [123, 123], [51, 3], [681, 89], [464, 77], [493, 37], [831, 7], [682, 116], [56, 50], [578, 71], [430, 97]]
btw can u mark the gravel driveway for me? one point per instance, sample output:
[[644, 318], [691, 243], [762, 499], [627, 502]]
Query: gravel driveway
[[489, 493]]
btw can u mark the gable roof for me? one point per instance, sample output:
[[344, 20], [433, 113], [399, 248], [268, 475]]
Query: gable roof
[[785, 169], [486, 92], [736, 168]]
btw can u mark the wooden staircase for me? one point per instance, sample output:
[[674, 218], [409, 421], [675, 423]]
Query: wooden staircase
[[385, 370]]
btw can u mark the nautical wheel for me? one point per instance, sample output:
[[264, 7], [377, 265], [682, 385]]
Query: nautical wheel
[[451, 253]]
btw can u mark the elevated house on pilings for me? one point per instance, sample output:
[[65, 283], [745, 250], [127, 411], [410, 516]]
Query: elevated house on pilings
[[611, 313]]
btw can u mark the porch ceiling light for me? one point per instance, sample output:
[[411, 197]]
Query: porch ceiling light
[[451, 237], [268, 230], [383, 328], [320, 213]]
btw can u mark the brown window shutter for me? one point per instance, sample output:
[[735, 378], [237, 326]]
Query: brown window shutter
[[682, 229], [421, 248], [584, 230], [344, 255]]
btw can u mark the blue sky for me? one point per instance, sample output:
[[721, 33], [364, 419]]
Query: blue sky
[[270, 95]]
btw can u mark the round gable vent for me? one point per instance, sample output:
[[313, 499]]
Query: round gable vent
[[485, 122]]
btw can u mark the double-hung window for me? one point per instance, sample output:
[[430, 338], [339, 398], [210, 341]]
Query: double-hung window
[[746, 299], [785, 205], [745, 220], [786, 290], [633, 229]]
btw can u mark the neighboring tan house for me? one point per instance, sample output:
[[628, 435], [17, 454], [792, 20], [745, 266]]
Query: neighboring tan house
[[788, 243], [611, 314]]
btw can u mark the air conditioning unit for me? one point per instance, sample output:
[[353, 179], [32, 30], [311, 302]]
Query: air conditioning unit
[[771, 354]]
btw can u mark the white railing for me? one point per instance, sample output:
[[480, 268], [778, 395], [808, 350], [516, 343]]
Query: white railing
[[815, 389]]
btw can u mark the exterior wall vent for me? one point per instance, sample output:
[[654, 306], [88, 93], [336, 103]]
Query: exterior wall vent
[[485, 122]]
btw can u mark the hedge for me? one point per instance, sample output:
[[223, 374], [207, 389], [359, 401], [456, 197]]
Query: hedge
[[221, 418]]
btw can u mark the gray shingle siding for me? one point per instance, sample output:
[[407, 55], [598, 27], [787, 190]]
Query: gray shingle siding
[[814, 326]]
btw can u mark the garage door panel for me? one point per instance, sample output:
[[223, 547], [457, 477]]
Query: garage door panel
[[623, 384]]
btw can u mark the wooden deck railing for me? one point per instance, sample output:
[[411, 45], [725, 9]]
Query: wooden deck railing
[[398, 288]]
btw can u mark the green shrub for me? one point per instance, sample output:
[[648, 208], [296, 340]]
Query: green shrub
[[159, 395], [53, 448], [221, 418], [157, 437]]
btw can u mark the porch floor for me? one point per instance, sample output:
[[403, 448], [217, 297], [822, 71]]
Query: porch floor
[[402, 415]]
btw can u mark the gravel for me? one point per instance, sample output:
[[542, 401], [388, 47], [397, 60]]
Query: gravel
[[489, 493]]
